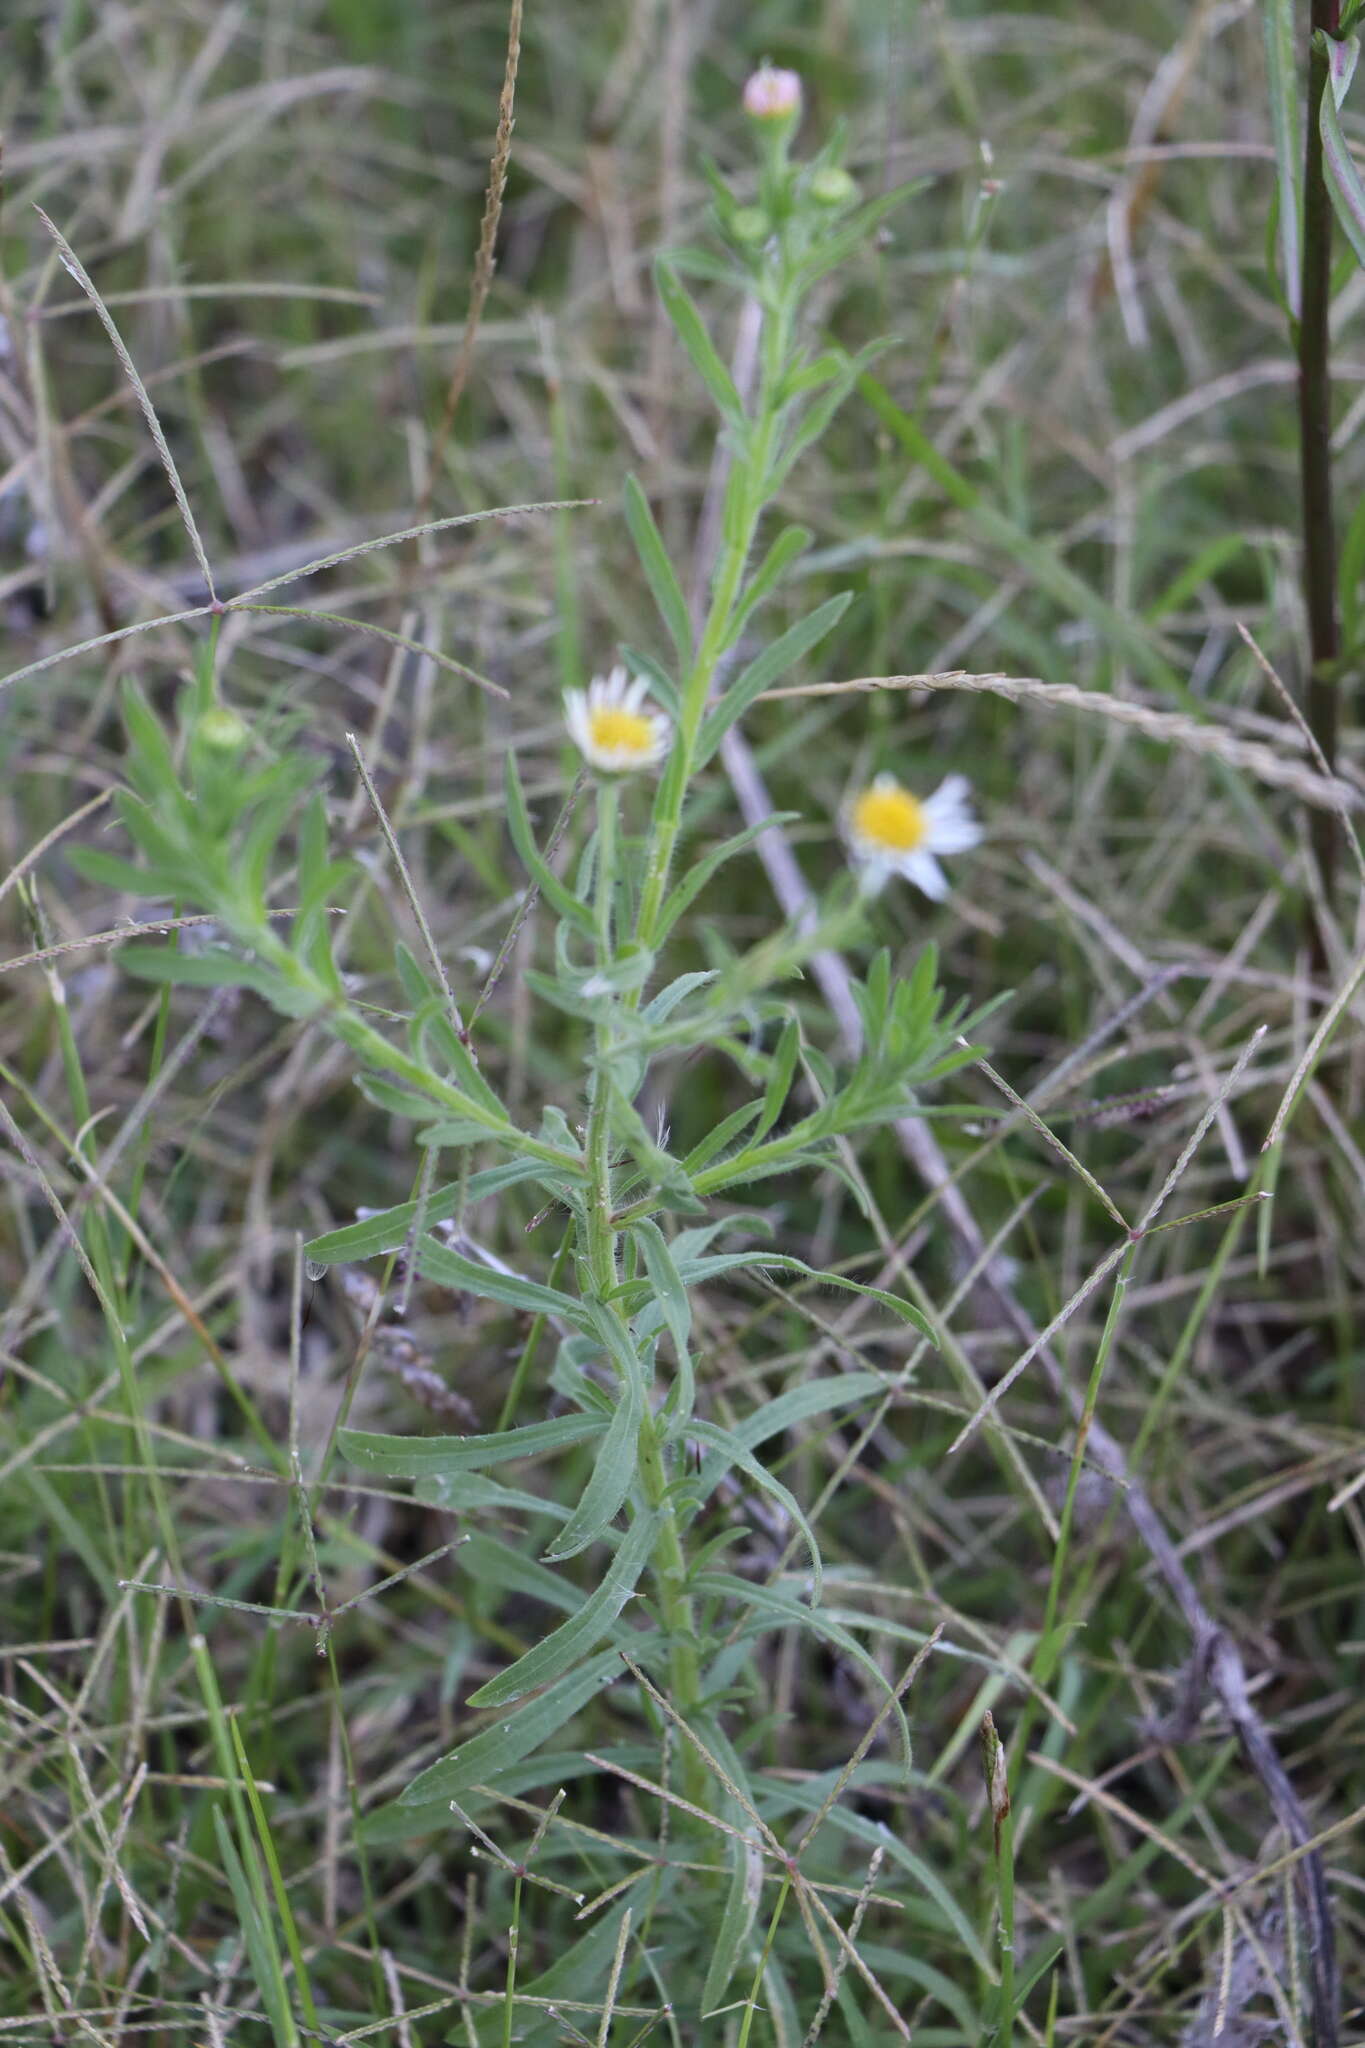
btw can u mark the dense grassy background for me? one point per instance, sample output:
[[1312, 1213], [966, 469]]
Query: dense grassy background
[[280, 201]]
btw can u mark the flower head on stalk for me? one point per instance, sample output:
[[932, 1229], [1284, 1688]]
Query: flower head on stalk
[[890, 832], [611, 726], [772, 95]]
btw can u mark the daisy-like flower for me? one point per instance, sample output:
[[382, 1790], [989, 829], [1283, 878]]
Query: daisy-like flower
[[772, 95], [611, 726], [892, 832]]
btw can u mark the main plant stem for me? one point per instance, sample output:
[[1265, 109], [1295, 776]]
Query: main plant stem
[[749, 480], [1315, 452], [669, 1563]]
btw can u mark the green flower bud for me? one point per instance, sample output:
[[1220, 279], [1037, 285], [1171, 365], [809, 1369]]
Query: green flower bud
[[832, 186], [750, 225], [222, 731]]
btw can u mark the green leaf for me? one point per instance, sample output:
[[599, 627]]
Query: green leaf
[[773, 662], [437, 1027], [716, 1140], [413, 980], [613, 1474], [745, 1855], [151, 764], [562, 1648], [542, 874], [667, 1283], [449, 1268], [904, 1309], [776, 1609], [407, 1102], [469, 1493], [491, 1562], [412, 1457], [111, 871], [388, 1230], [809, 1795], [217, 969], [512, 1737], [779, 1079], [820, 414], [660, 1007], [697, 341], [790, 543], [736, 1453], [657, 567], [699, 873], [258, 1934], [1338, 166], [801, 1404]]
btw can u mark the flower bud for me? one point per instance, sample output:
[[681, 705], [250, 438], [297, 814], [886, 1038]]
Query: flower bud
[[832, 186], [772, 95], [222, 731], [750, 225]]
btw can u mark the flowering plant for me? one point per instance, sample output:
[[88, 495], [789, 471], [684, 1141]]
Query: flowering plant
[[644, 1454]]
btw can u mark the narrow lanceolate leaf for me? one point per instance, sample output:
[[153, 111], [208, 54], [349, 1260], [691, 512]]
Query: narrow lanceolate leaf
[[582, 1632], [388, 1230], [556, 894], [800, 1404], [450, 1268], [787, 649], [612, 1476], [1283, 79], [657, 567], [699, 873], [777, 1609], [1343, 179], [744, 1854], [803, 1403], [667, 1283], [790, 543], [903, 1309], [411, 1457], [514, 1736], [698, 343], [736, 1453], [675, 1308], [779, 1079]]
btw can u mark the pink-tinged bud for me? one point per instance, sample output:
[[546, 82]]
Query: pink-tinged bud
[[772, 95]]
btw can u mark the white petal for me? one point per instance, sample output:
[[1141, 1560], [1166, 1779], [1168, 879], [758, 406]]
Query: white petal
[[576, 718], [953, 790], [873, 875], [924, 871], [953, 835], [635, 696]]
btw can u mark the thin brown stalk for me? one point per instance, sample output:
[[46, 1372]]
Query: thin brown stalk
[[485, 261]]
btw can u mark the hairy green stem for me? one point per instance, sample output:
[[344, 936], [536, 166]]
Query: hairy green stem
[[749, 481], [669, 1563]]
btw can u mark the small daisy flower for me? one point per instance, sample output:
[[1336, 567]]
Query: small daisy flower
[[891, 832], [610, 726], [771, 95]]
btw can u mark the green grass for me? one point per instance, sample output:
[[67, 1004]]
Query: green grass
[[201, 1833]]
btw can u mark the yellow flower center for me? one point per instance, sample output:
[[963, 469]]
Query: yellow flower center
[[889, 817], [615, 731]]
